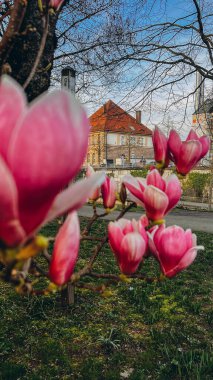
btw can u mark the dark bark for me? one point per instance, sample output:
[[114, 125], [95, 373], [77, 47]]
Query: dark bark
[[26, 47]]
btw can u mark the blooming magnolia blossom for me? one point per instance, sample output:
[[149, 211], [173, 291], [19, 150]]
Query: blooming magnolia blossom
[[108, 190], [43, 146], [128, 240], [56, 3], [96, 194], [174, 248], [160, 145], [65, 252], [157, 195], [188, 153]]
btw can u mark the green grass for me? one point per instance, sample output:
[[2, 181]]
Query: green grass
[[143, 331]]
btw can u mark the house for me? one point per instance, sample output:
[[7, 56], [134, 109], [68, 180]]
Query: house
[[117, 138], [202, 121]]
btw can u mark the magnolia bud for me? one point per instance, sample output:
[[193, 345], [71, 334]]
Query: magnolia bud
[[123, 194]]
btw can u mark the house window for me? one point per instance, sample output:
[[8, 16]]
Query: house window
[[132, 140], [123, 140], [141, 141]]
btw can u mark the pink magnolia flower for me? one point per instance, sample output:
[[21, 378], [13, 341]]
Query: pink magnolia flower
[[43, 146], [56, 4], [160, 145], [174, 248], [188, 153], [128, 240], [65, 252], [157, 195], [108, 191], [97, 193]]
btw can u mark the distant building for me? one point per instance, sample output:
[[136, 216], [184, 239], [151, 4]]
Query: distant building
[[117, 138], [202, 121]]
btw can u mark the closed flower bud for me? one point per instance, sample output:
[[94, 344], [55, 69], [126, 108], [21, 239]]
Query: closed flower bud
[[108, 190], [160, 145], [123, 194], [65, 252], [128, 240]]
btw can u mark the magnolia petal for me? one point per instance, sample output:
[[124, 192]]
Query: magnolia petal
[[139, 227], [97, 193], [134, 187], [151, 244], [205, 142], [46, 151], [189, 238], [74, 196], [11, 232], [56, 4], [115, 235], [189, 257], [194, 240], [133, 248], [173, 191], [189, 155], [160, 145], [174, 144], [155, 202], [172, 247], [65, 252], [142, 183], [192, 136], [12, 106], [144, 221], [154, 178], [90, 171], [108, 190], [130, 226], [185, 262]]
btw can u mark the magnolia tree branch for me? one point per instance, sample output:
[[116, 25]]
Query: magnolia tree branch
[[16, 17], [97, 249], [204, 38]]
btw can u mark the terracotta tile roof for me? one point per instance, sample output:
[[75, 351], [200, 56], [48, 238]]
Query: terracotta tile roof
[[112, 118]]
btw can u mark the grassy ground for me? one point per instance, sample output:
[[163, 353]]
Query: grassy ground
[[158, 331]]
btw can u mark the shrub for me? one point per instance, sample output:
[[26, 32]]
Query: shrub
[[198, 182], [139, 173]]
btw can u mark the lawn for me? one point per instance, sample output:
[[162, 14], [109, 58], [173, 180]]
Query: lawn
[[140, 331]]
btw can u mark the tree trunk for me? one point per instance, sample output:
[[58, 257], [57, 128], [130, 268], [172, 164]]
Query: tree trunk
[[26, 47]]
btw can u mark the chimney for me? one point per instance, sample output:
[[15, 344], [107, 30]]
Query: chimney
[[138, 117]]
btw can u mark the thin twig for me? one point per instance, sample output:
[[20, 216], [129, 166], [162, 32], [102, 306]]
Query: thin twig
[[118, 278], [46, 255], [91, 238], [39, 269]]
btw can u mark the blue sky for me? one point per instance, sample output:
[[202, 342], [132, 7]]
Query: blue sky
[[126, 95]]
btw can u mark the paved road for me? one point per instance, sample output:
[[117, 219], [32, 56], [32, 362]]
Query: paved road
[[196, 220]]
